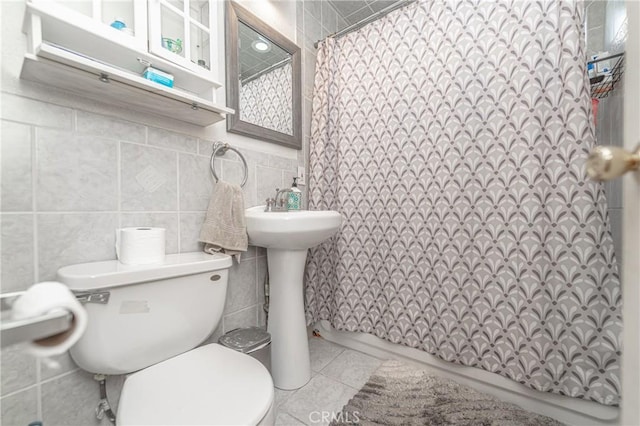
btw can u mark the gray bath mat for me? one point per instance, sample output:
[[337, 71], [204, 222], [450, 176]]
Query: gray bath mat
[[398, 394]]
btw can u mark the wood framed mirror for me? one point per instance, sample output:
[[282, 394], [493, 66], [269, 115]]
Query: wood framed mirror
[[263, 80]]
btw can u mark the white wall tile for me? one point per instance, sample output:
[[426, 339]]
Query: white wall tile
[[245, 318], [149, 178], [190, 224], [109, 127], [205, 147], [268, 180], [196, 182], [172, 140], [329, 18], [314, 8], [312, 27], [66, 239], [20, 408], [282, 163], [25, 110], [169, 221], [18, 370], [71, 400], [241, 291], [56, 366], [261, 273], [75, 172], [17, 252], [309, 69], [258, 158], [15, 153], [299, 21]]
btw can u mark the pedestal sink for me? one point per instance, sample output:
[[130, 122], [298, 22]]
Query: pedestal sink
[[287, 237]]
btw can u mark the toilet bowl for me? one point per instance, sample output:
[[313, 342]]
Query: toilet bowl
[[145, 321]]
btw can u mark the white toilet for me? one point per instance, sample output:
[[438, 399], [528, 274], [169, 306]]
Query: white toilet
[[153, 317]]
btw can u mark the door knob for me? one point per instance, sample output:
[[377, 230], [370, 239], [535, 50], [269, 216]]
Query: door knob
[[610, 162]]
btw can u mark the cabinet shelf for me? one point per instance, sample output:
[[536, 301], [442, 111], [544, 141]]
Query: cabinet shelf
[[81, 55], [79, 34], [81, 75]]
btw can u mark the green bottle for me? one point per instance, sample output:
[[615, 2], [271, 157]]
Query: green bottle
[[295, 196]]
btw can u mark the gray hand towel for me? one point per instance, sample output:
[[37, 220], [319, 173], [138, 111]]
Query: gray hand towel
[[224, 228]]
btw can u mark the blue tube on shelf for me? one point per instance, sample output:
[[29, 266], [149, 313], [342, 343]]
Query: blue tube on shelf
[[158, 76]]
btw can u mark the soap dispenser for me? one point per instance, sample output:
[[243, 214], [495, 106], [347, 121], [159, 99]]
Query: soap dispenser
[[295, 196]]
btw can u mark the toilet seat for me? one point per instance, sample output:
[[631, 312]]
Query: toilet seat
[[209, 385]]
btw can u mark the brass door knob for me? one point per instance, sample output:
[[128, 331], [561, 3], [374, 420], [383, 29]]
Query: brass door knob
[[610, 162]]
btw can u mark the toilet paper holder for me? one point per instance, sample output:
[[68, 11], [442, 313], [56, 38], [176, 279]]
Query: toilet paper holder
[[14, 331]]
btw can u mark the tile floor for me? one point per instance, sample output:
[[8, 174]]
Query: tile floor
[[337, 373]]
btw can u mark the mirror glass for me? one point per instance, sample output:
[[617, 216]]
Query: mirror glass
[[266, 90], [264, 80]]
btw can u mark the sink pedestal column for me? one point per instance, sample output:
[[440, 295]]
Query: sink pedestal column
[[290, 364]]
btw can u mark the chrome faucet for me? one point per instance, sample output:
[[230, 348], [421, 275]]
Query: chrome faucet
[[280, 203]]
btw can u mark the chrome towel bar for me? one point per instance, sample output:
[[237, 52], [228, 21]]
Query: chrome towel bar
[[220, 148]]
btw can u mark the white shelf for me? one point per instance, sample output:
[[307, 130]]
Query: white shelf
[[79, 34], [81, 75], [78, 54]]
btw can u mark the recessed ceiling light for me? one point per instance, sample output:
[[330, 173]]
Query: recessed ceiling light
[[261, 45]]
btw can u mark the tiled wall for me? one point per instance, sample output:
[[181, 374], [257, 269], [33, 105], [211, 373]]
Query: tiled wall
[[74, 170], [601, 28]]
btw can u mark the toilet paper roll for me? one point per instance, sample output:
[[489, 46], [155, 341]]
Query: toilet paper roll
[[49, 297], [140, 246]]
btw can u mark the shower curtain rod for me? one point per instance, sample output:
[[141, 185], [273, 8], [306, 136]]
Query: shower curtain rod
[[379, 14]]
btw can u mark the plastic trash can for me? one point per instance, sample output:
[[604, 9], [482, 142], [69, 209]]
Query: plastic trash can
[[252, 341]]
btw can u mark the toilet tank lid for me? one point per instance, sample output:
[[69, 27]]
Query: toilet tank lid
[[112, 273]]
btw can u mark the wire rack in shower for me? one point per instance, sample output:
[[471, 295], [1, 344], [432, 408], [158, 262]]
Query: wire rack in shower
[[603, 85]]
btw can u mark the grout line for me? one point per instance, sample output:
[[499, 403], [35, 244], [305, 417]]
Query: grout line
[[34, 180], [178, 211], [179, 232], [15, 392], [119, 182], [59, 376], [297, 418], [162, 148], [51, 212], [177, 181], [74, 120], [39, 388]]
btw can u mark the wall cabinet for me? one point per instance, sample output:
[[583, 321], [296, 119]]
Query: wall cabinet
[[107, 44]]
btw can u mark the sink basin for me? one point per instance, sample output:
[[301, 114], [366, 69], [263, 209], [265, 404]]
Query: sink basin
[[287, 236], [297, 230]]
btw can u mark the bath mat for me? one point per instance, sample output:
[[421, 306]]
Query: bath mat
[[399, 394]]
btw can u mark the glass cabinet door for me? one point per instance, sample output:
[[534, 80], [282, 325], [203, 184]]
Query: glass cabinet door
[[180, 31], [118, 17]]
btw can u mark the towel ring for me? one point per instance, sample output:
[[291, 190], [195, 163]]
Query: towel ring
[[223, 147]]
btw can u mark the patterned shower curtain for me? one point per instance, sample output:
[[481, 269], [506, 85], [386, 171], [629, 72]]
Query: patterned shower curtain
[[452, 136]]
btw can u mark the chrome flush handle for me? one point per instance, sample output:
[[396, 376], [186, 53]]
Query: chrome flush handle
[[610, 162]]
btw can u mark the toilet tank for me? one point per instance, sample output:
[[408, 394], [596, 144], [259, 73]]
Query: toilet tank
[[153, 312]]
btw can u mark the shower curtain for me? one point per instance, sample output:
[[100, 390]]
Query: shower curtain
[[452, 136]]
